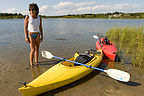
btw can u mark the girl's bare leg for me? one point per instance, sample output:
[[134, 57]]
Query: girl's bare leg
[[37, 44], [32, 47]]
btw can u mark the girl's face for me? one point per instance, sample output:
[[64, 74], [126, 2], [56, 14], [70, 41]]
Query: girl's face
[[33, 11]]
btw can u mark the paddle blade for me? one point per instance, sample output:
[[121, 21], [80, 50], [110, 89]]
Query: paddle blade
[[118, 75], [95, 36], [47, 54]]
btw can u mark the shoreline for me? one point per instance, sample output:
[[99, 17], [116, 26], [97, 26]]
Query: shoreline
[[114, 15], [69, 18]]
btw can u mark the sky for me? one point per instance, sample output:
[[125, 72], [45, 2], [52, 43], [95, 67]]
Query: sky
[[65, 7]]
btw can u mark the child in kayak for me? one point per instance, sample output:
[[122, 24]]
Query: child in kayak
[[33, 32]]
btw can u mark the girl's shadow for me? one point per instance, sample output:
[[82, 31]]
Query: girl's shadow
[[49, 62]]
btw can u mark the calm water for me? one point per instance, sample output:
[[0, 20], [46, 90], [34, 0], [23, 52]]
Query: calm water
[[73, 34], [62, 37]]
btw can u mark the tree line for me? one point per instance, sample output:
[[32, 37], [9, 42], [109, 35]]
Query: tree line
[[11, 16], [115, 15]]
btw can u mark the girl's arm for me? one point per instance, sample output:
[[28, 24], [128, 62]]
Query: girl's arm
[[25, 28], [41, 30]]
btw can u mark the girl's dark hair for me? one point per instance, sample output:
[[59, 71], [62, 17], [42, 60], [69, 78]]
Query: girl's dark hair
[[34, 5]]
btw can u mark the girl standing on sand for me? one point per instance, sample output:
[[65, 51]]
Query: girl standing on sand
[[33, 32]]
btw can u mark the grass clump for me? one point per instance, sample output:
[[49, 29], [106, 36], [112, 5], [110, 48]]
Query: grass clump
[[130, 41]]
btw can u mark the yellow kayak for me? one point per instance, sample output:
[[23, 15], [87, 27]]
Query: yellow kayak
[[59, 75]]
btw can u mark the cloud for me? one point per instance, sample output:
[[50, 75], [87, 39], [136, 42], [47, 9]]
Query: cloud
[[64, 8], [14, 10], [124, 6], [43, 9], [72, 4], [11, 10], [92, 7], [63, 4], [70, 7]]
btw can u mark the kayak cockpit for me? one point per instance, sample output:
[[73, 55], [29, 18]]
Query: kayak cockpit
[[83, 58]]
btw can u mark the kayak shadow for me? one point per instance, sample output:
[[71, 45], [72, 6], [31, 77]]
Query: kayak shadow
[[49, 62], [71, 85], [131, 83]]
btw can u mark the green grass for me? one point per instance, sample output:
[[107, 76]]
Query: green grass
[[130, 41]]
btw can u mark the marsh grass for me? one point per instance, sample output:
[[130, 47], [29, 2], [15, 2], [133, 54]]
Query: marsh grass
[[130, 43]]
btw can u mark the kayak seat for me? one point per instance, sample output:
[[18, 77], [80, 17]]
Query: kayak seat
[[105, 41], [83, 58]]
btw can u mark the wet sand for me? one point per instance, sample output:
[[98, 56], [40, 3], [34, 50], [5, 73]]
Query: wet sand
[[16, 68]]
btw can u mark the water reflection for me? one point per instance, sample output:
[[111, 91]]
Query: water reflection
[[35, 72], [42, 67], [107, 62]]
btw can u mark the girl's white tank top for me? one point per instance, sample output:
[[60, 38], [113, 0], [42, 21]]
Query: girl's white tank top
[[33, 24]]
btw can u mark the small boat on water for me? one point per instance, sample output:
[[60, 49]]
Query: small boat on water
[[108, 48], [61, 74]]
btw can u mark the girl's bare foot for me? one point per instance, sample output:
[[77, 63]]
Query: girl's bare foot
[[31, 65], [36, 63]]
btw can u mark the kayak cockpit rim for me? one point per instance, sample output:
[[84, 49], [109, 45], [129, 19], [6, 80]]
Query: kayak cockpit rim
[[70, 64]]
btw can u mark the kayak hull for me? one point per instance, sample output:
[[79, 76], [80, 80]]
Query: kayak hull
[[59, 75], [109, 50]]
